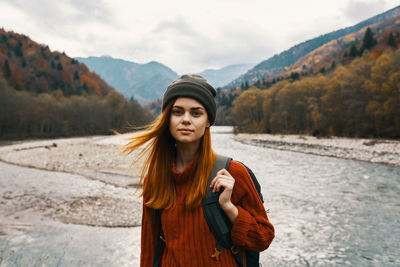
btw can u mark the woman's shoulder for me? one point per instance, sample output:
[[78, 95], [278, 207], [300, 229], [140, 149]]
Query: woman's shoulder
[[244, 185], [239, 171]]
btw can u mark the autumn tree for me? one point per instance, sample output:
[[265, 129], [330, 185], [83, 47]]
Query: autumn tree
[[247, 113], [361, 99]]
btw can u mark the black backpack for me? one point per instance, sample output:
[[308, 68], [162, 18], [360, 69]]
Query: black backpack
[[217, 220]]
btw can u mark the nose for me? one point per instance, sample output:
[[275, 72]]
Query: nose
[[186, 118]]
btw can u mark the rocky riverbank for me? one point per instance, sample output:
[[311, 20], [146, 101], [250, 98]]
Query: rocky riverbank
[[95, 157], [370, 150], [52, 218], [47, 211], [90, 183], [106, 196]]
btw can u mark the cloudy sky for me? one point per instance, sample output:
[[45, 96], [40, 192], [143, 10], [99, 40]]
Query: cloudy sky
[[187, 36]]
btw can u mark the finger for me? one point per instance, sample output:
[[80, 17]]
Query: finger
[[224, 182], [219, 176], [217, 185], [223, 172]]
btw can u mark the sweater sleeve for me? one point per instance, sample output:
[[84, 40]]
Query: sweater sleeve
[[252, 229], [149, 237]]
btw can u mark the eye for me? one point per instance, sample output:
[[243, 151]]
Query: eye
[[177, 112], [196, 113]]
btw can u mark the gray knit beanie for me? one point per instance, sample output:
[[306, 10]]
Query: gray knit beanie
[[193, 86]]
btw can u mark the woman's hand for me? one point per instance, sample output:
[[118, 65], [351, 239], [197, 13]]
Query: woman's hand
[[224, 181]]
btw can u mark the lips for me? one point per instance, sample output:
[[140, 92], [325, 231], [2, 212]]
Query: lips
[[185, 131]]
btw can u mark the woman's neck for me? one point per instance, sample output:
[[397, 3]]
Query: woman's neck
[[185, 154]]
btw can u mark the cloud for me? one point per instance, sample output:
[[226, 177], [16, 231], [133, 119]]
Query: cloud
[[184, 37], [63, 17], [174, 42], [237, 42], [357, 11], [178, 43]]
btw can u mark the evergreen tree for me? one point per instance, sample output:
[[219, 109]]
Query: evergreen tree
[[245, 85], [369, 41], [7, 70], [85, 87], [18, 50], [294, 76], [391, 40], [353, 51], [59, 66], [3, 39], [76, 75]]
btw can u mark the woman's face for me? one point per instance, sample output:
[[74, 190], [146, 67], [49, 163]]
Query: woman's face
[[188, 120]]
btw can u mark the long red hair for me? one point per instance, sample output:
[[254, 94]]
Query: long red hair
[[158, 147]]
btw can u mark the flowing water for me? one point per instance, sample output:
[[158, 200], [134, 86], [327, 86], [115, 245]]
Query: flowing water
[[326, 212]]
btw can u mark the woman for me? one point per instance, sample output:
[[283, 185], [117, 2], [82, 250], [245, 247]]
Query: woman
[[179, 160]]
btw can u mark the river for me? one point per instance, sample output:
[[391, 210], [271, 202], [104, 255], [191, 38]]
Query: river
[[326, 211]]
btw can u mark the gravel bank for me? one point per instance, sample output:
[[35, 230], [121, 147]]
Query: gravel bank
[[97, 157], [370, 150], [106, 194], [47, 212], [32, 196], [89, 183]]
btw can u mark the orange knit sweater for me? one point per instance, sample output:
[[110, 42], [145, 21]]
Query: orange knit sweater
[[188, 239]]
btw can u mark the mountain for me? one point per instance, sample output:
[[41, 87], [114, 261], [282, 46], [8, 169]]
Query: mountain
[[46, 94], [27, 65], [277, 63], [344, 49], [144, 82], [323, 61], [223, 76]]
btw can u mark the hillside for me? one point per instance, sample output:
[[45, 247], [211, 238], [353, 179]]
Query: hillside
[[344, 49], [277, 63], [45, 94], [143, 82], [301, 91], [360, 99], [30, 66]]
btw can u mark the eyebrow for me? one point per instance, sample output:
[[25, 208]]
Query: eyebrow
[[195, 108]]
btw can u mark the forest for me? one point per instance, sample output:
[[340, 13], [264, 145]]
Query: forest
[[45, 94], [342, 88], [29, 66], [26, 114], [360, 99]]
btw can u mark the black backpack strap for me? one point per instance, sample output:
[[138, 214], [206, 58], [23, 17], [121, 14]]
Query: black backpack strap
[[160, 238], [216, 219]]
